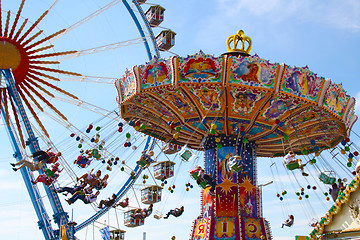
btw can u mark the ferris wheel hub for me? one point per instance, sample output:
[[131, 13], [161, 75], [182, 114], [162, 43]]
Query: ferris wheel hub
[[10, 56]]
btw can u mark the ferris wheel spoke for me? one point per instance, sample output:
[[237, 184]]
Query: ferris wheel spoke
[[32, 98], [53, 86], [64, 123], [53, 5], [39, 87], [88, 106], [41, 74], [20, 29], [33, 37], [7, 23], [54, 70], [45, 100], [17, 123], [33, 26], [106, 80], [43, 40], [82, 21], [40, 49], [4, 97], [44, 62], [16, 18], [49, 54], [27, 103], [0, 19], [104, 48]]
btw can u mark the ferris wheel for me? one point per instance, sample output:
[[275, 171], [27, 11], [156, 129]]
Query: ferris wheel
[[256, 102], [39, 73]]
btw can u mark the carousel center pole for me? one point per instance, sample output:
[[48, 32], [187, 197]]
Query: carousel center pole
[[233, 210]]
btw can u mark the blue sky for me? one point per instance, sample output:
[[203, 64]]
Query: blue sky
[[324, 35]]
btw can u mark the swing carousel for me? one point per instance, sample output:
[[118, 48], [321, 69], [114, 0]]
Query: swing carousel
[[235, 108]]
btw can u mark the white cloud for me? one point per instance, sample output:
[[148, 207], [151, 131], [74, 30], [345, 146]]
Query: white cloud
[[341, 15], [357, 103]]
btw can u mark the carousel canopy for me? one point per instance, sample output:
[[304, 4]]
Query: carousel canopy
[[181, 100]]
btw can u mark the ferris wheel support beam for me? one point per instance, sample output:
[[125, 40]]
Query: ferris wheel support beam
[[137, 23], [60, 217], [43, 219], [148, 27]]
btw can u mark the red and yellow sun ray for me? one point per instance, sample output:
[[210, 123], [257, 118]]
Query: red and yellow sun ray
[[40, 49], [42, 75], [40, 87], [0, 20], [54, 87], [20, 29], [32, 37], [31, 97], [17, 123], [16, 18], [26, 57], [44, 100], [7, 24], [33, 113], [51, 54], [44, 62], [33, 26], [42, 40], [54, 70], [5, 106]]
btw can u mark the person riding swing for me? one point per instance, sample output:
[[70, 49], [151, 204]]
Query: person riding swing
[[292, 163]]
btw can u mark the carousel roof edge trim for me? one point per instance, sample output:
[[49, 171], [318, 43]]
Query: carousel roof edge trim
[[176, 90], [343, 198], [173, 63]]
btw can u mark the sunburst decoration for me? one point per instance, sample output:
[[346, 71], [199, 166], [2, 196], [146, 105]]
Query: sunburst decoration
[[23, 53], [246, 184], [227, 184]]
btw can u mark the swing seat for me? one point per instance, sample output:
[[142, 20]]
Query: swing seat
[[236, 167], [195, 175], [186, 155], [143, 163], [158, 215], [327, 179], [96, 154], [171, 148], [292, 165], [203, 183], [234, 163], [144, 160]]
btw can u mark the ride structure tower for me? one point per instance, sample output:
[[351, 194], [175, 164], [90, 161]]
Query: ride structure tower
[[233, 210]]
